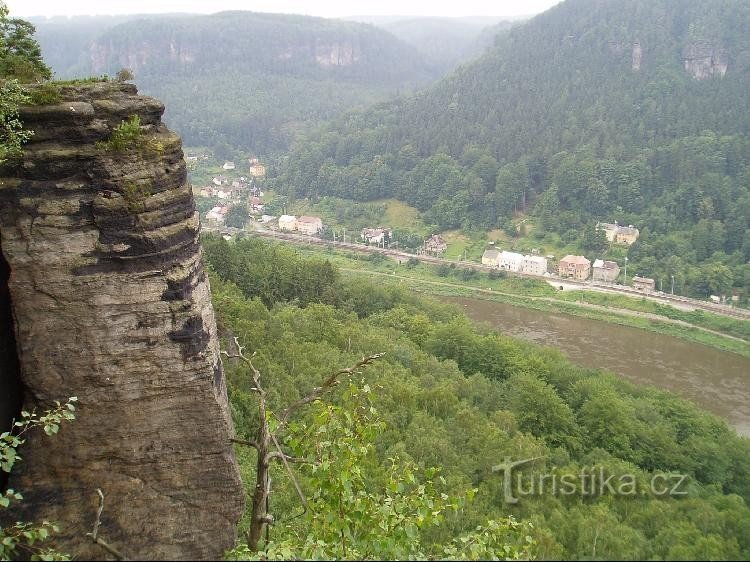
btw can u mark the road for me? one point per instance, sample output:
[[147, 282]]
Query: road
[[676, 301]]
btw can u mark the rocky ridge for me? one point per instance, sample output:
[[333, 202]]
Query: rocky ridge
[[110, 303]]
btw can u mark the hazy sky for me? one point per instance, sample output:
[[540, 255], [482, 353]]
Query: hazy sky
[[325, 8]]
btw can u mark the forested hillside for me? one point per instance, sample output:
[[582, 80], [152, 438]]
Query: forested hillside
[[464, 399], [635, 111], [241, 79]]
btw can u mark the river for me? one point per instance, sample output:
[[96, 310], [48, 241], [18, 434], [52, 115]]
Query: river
[[718, 381]]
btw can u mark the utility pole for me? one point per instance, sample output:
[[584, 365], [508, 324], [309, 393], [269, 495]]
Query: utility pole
[[673, 284], [626, 270]]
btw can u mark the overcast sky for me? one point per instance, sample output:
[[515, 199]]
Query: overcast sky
[[325, 8]]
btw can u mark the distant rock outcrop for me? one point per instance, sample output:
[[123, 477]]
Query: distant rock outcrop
[[111, 304], [704, 59], [637, 56]]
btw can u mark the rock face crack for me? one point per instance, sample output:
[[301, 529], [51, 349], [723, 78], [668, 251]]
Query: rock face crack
[[112, 305]]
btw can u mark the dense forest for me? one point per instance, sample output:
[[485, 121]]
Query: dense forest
[[454, 396], [241, 79], [633, 111]]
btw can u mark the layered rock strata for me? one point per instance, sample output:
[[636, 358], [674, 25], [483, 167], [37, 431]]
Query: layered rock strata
[[111, 304]]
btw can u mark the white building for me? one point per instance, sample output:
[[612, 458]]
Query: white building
[[309, 225], [287, 222], [510, 261], [375, 235], [534, 265], [228, 166]]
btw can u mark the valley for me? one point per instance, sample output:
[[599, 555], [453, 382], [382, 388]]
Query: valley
[[286, 287]]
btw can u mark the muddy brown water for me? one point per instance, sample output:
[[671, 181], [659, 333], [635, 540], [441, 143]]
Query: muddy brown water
[[718, 381]]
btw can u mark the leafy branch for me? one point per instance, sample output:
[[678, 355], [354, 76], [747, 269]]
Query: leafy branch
[[266, 442]]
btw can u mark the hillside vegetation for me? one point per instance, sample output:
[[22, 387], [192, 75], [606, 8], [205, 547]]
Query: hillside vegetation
[[464, 399], [633, 111], [243, 79]]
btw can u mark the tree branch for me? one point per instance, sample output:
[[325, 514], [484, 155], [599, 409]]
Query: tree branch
[[279, 455], [330, 382], [95, 538], [249, 443]]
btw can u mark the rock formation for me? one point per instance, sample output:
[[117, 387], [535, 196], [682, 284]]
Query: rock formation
[[704, 59], [111, 304], [637, 57]]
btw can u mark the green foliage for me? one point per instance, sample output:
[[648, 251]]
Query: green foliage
[[47, 93], [359, 509], [23, 537], [135, 195], [124, 74], [12, 134], [20, 55], [237, 216], [125, 136], [459, 397]]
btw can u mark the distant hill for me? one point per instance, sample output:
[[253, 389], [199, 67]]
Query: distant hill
[[445, 42], [628, 110], [242, 79]]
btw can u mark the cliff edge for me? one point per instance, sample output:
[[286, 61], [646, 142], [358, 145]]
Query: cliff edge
[[110, 303]]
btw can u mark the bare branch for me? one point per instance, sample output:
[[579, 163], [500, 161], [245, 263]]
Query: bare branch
[[249, 443], [330, 382], [301, 495], [95, 538], [278, 455]]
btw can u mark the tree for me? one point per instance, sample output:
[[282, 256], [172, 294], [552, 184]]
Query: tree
[[356, 512], [718, 278], [236, 216], [594, 240], [20, 55], [12, 134]]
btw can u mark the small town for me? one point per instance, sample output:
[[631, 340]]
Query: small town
[[244, 192]]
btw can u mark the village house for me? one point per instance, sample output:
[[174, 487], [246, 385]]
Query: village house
[[435, 245], [228, 166], [256, 205], [645, 284], [491, 257], [220, 180], [577, 267], [534, 265], [217, 214], [606, 271], [287, 222], [619, 234], [257, 170], [309, 225], [510, 261], [375, 235]]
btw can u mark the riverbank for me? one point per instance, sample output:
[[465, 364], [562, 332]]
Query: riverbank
[[726, 334]]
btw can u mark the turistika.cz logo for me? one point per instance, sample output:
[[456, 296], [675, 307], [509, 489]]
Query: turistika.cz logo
[[591, 481]]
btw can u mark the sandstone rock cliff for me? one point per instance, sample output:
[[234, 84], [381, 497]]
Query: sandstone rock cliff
[[111, 304], [705, 59]]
